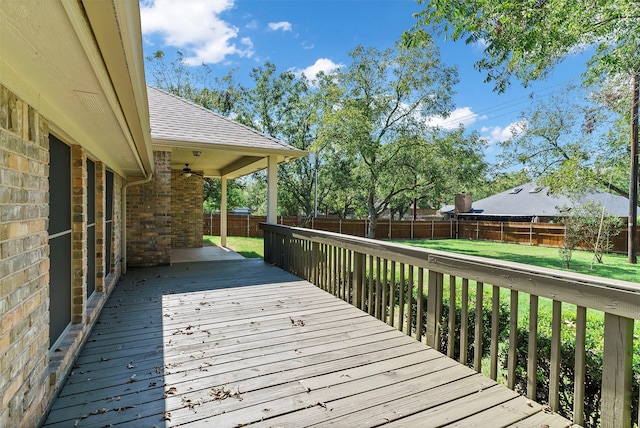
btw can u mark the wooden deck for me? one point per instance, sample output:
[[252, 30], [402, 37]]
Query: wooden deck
[[236, 343]]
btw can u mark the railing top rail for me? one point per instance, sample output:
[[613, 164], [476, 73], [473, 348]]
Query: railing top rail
[[603, 294]]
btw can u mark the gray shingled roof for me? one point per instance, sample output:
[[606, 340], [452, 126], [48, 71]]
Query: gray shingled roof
[[527, 203], [176, 119]]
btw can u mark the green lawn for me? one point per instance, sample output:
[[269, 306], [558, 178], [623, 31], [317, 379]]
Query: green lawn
[[251, 248], [615, 266]]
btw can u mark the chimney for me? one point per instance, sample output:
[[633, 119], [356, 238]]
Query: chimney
[[463, 203]]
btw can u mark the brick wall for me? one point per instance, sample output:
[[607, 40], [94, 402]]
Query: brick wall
[[149, 216], [186, 210], [32, 371], [24, 263]]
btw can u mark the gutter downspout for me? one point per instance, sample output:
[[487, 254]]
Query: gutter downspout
[[123, 232]]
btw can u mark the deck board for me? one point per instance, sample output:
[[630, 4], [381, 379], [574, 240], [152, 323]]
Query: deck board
[[240, 342]]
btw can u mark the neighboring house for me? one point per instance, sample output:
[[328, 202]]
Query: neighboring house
[[531, 202], [91, 176]]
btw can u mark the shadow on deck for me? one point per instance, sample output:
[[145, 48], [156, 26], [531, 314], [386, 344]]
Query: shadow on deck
[[236, 343]]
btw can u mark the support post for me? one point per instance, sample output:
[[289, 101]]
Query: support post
[[272, 190], [223, 211]]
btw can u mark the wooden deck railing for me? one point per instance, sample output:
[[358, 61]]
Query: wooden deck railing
[[381, 279]]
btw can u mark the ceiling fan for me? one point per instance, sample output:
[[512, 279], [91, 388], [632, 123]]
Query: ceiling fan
[[187, 171]]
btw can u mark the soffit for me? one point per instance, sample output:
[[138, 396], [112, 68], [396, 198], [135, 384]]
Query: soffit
[[51, 58]]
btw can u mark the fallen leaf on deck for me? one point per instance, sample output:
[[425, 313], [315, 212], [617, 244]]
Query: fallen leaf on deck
[[296, 322]]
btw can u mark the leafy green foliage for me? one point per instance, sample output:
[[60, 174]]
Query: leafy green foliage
[[218, 94], [570, 143], [289, 108], [213, 192], [378, 125], [526, 39]]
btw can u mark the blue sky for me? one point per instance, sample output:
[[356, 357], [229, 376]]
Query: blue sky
[[312, 35]]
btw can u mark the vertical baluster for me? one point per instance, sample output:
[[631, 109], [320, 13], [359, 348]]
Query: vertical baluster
[[495, 329], [359, 261], [420, 305], [532, 353], [392, 294], [350, 282], [401, 299], [477, 353], [385, 288], [464, 322], [336, 271], [434, 301], [314, 263], [345, 276], [578, 388], [371, 287], [325, 272], [410, 302], [327, 268], [513, 340], [378, 290], [554, 367], [451, 348]]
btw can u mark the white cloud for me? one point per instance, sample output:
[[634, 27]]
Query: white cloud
[[282, 25], [322, 64], [497, 134], [462, 115], [195, 27]]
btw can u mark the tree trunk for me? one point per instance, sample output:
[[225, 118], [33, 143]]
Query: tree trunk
[[633, 179], [373, 223]]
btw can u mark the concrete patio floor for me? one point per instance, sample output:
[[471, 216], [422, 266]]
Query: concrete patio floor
[[204, 254]]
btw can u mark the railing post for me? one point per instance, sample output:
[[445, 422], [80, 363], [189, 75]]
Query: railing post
[[267, 247], [434, 299], [285, 253], [616, 371]]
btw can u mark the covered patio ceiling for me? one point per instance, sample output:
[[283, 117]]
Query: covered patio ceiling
[[227, 148]]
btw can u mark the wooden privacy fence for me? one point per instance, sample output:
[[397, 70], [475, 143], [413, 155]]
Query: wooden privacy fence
[[248, 226], [543, 234], [407, 286]]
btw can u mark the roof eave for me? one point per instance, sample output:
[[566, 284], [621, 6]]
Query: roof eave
[[124, 60]]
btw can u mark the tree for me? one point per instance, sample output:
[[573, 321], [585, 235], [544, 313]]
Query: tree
[[289, 108], [379, 124], [526, 39], [197, 85], [569, 143], [213, 194]]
